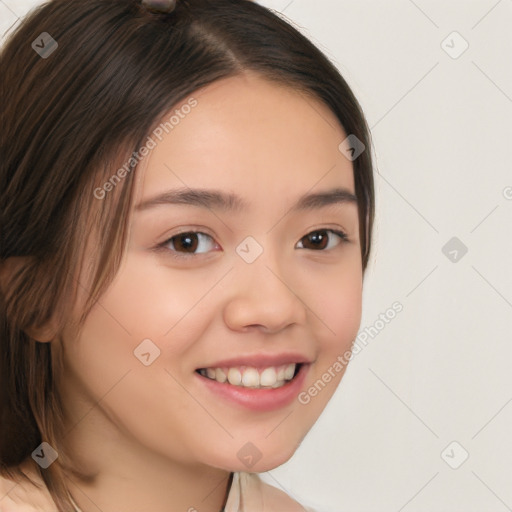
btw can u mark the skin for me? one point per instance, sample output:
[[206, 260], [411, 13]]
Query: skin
[[151, 436]]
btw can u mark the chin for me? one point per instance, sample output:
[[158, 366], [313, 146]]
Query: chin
[[267, 462]]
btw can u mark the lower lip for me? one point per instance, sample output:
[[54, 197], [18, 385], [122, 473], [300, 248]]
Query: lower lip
[[259, 399]]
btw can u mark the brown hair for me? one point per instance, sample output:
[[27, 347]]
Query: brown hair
[[68, 120]]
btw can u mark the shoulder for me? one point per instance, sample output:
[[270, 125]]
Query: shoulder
[[268, 497], [22, 496]]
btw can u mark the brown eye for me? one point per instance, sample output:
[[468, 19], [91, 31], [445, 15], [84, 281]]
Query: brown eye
[[186, 241], [322, 239], [189, 242]]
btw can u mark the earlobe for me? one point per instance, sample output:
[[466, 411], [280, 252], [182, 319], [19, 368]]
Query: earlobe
[[44, 334], [8, 268]]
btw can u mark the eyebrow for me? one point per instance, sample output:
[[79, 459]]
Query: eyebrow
[[229, 202]]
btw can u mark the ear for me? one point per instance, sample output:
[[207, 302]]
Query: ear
[[43, 334], [8, 268]]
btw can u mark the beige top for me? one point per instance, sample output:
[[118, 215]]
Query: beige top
[[248, 493]]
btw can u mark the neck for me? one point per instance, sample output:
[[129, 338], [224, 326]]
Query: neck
[[125, 476], [210, 498]]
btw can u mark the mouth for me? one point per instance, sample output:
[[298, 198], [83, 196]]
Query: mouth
[[258, 389], [269, 377]]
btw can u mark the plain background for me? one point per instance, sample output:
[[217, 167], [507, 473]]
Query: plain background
[[440, 371]]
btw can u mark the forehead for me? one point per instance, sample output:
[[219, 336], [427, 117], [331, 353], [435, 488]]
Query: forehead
[[249, 135]]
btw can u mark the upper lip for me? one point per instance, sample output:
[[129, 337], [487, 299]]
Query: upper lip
[[260, 360]]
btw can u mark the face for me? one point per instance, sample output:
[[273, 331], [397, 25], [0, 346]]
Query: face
[[267, 279]]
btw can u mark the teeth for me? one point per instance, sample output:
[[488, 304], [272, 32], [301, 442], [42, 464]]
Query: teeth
[[219, 375], [268, 377], [248, 377], [251, 378], [234, 376], [288, 372]]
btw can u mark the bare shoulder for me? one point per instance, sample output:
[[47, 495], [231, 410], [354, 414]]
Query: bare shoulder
[[22, 496]]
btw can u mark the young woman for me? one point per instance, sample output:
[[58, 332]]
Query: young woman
[[186, 209]]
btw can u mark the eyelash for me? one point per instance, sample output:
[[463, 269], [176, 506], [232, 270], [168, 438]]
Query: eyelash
[[181, 256]]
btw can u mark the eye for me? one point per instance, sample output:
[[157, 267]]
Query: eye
[[189, 243], [321, 239]]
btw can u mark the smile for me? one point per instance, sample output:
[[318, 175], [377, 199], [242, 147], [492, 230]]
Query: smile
[[258, 397], [249, 377]]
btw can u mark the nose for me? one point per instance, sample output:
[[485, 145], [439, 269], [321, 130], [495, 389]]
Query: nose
[[261, 297]]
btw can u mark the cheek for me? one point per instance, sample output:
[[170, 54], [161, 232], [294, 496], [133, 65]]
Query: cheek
[[344, 313], [334, 297], [102, 352], [336, 301], [153, 301]]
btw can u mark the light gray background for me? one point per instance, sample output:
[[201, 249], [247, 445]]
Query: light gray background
[[441, 370]]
